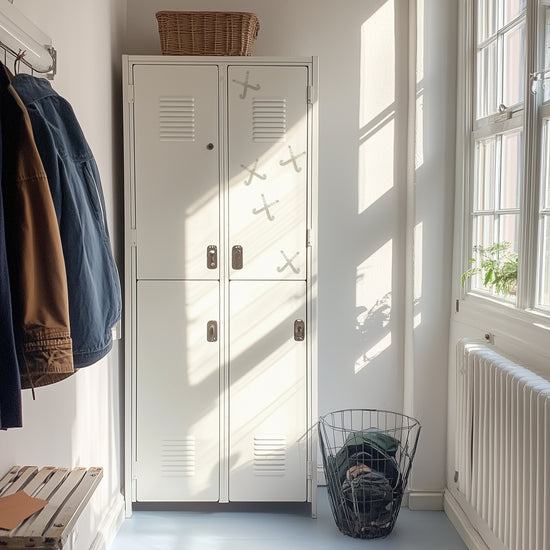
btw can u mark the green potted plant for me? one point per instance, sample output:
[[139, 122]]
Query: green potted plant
[[498, 265]]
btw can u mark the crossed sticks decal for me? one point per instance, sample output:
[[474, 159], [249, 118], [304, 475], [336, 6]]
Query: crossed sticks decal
[[253, 173], [265, 209], [292, 159], [246, 85], [289, 263]]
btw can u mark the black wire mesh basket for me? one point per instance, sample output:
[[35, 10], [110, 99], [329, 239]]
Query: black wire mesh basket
[[367, 456]]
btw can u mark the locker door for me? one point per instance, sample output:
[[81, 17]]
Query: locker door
[[177, 391], [267, 395], [268, 171], [176, 171]]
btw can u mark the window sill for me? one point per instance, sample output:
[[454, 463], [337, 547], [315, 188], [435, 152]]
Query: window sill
[[516, 331]]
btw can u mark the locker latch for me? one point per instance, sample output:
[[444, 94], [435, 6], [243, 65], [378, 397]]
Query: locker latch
[[212, 331], [299, 330], [212, 256], [237, 257]]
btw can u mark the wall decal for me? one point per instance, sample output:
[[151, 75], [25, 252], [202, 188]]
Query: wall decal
[[253, 173], [265, 208], [292, 159], [289, 263], [246, 85]]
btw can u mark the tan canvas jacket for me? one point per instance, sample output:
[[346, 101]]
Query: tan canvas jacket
[[35, 257]]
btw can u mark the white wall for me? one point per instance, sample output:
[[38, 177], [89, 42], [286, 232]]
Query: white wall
[[435, 175], [77, 422], [363, 54]]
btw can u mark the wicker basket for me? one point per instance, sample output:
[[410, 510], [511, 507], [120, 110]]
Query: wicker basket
[[207, 32]]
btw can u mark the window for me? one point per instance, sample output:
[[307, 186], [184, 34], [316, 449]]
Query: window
[[508, 205]]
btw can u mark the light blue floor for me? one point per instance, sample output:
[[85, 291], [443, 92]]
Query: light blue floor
[[276, 529]]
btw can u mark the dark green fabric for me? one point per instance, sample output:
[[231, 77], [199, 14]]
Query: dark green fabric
[[374, 448], [381, 440]]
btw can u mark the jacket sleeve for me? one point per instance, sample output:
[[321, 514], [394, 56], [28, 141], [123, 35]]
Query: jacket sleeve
[[35, 256]]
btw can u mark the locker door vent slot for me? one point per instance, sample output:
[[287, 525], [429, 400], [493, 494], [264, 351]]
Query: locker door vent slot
[[269, 120], [269, 455], [178, 457], [177, 118]]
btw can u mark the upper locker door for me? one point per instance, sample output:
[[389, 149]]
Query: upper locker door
[[268, 171], [176, 171]]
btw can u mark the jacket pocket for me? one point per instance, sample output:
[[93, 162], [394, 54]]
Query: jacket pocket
[[95, 195]]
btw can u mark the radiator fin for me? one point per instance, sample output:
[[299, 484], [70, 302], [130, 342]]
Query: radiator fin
[[503, 447]]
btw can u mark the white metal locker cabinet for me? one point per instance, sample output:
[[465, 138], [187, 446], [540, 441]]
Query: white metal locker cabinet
[[219, 152], [176, 171], [177, 391], [268, 171], [267, 395]]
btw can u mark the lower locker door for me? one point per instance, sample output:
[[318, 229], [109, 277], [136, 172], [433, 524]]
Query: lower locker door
[[177, 391], [267, 394]]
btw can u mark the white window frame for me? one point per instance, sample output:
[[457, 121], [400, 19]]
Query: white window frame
[[470, 304]]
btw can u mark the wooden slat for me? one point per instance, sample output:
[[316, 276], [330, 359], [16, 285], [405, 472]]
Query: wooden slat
[[68, 492], [25, 474], [53, 483], [71, 510], [56, 477], [44, 517], [8, 478], [38, 480]]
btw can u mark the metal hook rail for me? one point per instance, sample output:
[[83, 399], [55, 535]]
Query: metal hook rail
[[50, 72], [28, 44]]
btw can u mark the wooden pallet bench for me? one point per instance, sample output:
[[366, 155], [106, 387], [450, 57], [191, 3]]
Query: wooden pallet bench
[[67, 492]]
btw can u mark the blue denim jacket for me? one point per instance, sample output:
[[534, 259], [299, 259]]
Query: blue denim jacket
[[94, 288]]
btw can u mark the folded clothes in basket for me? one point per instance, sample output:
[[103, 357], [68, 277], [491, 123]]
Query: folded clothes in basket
[[364, 474], [372, 448]]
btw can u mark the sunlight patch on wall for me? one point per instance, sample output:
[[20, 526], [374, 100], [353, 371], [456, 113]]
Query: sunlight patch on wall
[[366, 358], [376, 165], [418, 256], [419, 130], [376, 110], [373, 300], [419, 126], [377, 63]]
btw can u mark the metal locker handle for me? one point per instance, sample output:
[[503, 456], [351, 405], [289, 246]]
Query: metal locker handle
[[212, 256], [237, 257], [212, 331], [299, 330]]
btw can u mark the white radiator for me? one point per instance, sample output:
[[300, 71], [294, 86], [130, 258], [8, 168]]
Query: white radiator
[[503, 446]]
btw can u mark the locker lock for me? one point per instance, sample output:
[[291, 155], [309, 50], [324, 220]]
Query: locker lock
[[212, 331], [212, 256], [237, 257], [210, 146], [299, 330]]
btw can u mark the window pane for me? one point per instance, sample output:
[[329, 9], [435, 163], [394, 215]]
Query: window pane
[[510, 170], [484, 230], [506, 267], [544, 278], [508, 232], [546, 41], [483, 237], [486, 19], [512, 8], [487, 81], [545, 163], [514, 66], [485, 176]]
